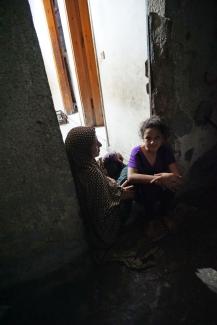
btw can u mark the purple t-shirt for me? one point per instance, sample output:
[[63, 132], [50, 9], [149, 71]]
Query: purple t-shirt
[[164, 158]]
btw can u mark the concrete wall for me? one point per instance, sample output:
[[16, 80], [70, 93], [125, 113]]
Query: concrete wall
[[121, 45], [184, 79], [40, 228]]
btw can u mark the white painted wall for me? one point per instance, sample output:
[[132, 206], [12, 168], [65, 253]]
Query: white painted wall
[[40, 23], [121, 45]]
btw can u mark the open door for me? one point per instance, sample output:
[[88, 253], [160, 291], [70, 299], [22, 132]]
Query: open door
[[63, 77], [85, 61]]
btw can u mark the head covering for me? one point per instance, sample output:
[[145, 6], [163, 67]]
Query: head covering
[[99, 200], [78, 146]]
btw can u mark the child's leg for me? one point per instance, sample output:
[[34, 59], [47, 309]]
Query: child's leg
[[150, 196], [167, 210], [166, 202], [152, 201]]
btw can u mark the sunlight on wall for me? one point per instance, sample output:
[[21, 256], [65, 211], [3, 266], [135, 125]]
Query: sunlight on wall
[[39, 20], [121, 45]]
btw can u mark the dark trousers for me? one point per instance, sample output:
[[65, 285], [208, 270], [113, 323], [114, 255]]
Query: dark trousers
[[157, 201]]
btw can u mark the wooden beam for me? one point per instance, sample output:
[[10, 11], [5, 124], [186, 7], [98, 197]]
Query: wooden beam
[[85, 61], [59, 61], [91, 60]]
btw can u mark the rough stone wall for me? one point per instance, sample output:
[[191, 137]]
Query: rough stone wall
[[40, 228], [156, 6], [183, 51]]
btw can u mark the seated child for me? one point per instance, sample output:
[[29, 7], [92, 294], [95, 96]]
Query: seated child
[[153, 170], [114, 167]]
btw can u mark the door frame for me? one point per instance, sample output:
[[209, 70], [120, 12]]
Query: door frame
[[58, 57], [83, 48]]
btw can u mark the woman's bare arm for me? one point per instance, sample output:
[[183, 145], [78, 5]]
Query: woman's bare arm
[[134, 177]]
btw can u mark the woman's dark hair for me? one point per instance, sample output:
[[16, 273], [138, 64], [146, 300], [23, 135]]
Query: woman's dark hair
[[155, 122]]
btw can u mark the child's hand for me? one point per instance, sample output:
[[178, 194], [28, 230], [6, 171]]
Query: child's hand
[[169, 180]]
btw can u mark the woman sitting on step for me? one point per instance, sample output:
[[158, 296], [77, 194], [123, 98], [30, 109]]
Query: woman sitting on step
[[100, 200]]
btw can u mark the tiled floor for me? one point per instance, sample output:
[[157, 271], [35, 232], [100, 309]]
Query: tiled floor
[[74, 120]]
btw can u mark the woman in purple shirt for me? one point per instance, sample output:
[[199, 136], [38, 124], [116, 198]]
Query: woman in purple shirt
[[152, 168]]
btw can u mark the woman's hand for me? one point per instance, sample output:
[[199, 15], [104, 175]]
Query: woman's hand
[[127, 191], [112, 181], [170, 180]]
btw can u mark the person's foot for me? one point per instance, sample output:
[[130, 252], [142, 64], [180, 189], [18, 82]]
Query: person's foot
[[156, 230], [172, 223]]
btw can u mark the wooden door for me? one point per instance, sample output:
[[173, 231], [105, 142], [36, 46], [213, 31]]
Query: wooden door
[[58, 57], [85, 61]]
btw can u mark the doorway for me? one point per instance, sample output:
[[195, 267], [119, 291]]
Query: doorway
[[106, 44], [121, 38]]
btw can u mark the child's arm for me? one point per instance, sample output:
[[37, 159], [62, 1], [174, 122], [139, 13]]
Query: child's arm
[[171, 180], [174, 169], [134, 177]]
